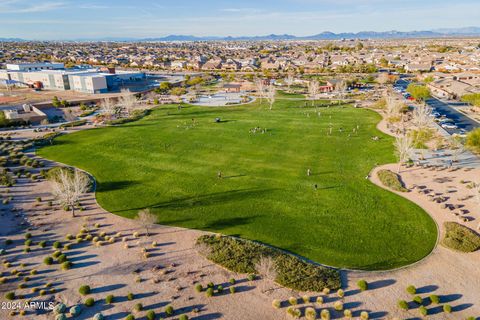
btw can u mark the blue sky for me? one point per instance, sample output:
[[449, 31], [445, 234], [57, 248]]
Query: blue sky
[[68, 19]]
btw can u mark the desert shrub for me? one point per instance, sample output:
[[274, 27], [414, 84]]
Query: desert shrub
[[434, 299], [198, 287], [26, 249], [60, 316], [306, 299], [340, 293], [423, 311], [232, 281], [295, 313], [325, 314], [460, 238], [220, 289], [402, 304], [362, 285], [48, 261], [310, 313], [138, 307], [57, 254], [347, 313], [391, 180], [28, 242], [10, 295], [42, 292], [251, 277], [89, 302], [28, 235], [209, 292], [42, 244], [473, 140], [276, 303], [319, 301], [60, 308], [210, 285], [98, 316], [67, 265], [338, 305], [84, 290], [68, 237], [169, 311], [62, 258], [130, 317], [57, 245], [292, 300], [447, 308], [418, 300], [232, 289], [364, 315], [75, 310], [109, 299], [411, 289], [130, 296], [183, 317], [241, 256], [151, 315]]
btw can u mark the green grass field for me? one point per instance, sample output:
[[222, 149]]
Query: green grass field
[[169, 161]]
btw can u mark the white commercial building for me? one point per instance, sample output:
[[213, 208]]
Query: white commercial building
[[35, 66]]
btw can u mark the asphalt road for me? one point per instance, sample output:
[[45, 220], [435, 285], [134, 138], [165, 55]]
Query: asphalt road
[[446, 109]]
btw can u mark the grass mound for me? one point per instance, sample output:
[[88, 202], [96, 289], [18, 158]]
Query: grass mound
[[241, 256], [391, 180], [460, 238]]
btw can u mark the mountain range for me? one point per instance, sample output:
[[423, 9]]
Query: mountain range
[[436, 33]]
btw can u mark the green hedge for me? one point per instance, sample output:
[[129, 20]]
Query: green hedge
[[391, 180], [136, 115], [72, 124], [461, 238], [240, 256]]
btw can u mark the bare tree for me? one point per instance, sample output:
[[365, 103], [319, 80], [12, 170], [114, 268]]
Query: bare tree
[[266, 268], [69, 116], [289, 80], [270, 95], [108, 108], [146, 219], [127, 101], [404, 149], [422, 116], [313, 90], [342, 87], [261, 89], [69, 187], [393, 106], [455, 143]]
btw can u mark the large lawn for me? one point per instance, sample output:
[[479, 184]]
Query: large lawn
[[169, 162]]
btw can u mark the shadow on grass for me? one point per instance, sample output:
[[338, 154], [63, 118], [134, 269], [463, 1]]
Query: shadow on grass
[[206, 200], [114, 185]]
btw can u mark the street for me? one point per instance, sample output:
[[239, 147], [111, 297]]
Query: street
[[445, 108]]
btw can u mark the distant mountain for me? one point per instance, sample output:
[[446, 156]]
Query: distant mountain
[[326, 35], [11, 40]]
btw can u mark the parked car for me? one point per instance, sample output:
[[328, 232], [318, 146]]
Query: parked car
[[449, 125]]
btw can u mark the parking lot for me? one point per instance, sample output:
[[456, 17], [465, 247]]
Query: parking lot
[[447, 116]]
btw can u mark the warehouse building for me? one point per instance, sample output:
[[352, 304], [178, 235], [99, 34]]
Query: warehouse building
[[88, 80]]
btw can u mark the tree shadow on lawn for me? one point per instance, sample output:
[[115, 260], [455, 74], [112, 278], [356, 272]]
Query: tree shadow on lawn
[[205, 200], [114, 185]]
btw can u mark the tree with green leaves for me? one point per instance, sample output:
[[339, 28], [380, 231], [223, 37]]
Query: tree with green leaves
[[418, 92]]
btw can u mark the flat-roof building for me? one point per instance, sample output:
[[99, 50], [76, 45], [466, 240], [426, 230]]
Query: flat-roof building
[[88, 80]]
